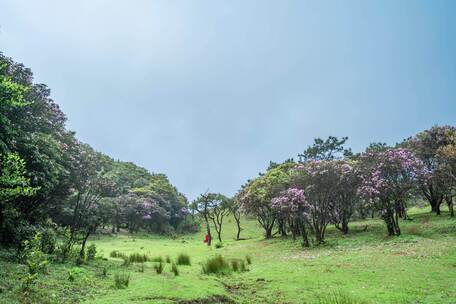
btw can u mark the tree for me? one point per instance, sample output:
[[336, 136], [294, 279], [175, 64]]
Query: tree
[[346, 194], [13, 185], [256, 196], [235, 209], [292, 205], [446, 174], [328, 149], [202, 206], [318, 179], [387, 179], [426, 145]]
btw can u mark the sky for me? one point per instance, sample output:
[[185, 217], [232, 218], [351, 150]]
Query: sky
[[209, 92]]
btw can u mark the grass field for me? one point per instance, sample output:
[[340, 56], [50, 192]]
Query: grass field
[[363, 267]]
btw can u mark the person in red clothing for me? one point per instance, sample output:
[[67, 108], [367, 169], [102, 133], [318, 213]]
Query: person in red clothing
[[206, 238]]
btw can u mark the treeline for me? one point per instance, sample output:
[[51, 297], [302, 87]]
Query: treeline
[[329, 184], [50, 181]]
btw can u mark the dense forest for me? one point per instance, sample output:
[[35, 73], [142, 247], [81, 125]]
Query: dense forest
[[50, 182]]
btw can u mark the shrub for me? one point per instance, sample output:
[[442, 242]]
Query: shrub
[[48, 241], [216, 265], [91, 252], [159, 267], [168, 259], [183, 259], [35, 260], [121, 280], [73, 273], [248, 258], [174, 269], [218, 245]]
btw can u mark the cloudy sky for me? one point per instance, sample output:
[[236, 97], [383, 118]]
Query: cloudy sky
[[209, 92]]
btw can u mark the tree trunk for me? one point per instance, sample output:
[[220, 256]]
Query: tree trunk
[[86, 236], [305, 238], [449, 200], [238, 235], [208, 229]]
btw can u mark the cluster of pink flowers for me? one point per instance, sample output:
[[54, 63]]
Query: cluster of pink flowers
[[394, 171], [291, 202]]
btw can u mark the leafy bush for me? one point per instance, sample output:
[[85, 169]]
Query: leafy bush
[[121, 280], [48, 241], [218, 245], [174, 269], [91, 252], [216, 265], [183, 259], [35, 260], [159, 267]]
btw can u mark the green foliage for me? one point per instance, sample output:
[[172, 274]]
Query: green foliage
[[248, 259], [73, 273], [183, 259], [35, 260], [48, 240], [218, 245], [91, 252], [168, 259], [121, 280]]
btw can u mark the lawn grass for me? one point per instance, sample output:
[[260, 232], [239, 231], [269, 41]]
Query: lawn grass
[[362, 267]]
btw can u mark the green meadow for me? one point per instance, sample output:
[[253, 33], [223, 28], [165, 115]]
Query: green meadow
[[365, 266]]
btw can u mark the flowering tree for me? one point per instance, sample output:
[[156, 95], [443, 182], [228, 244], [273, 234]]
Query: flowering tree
[[426, 145], [447, 173], [345, 194], [256, 197], [387, 179], [318, 179], [291, 204]]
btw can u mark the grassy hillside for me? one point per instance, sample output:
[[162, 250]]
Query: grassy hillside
[[363, 267]]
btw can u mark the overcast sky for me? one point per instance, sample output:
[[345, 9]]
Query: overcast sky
[[209, 92]]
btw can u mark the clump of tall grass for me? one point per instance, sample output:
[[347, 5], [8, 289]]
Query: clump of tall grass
[[183, 259], [121, 280], [158, 259], [117, 254], [216, 265], [168, 259], [138, 258], [174, 269], [159, 267], [238, 265], [248, 258], [339, 298]]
